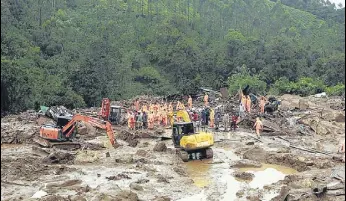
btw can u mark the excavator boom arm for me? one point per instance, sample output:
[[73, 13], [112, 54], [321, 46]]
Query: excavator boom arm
[[93, 121]]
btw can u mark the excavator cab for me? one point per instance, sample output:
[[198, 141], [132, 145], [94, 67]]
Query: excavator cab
[[191, 144], [116, 114], [181, 129]]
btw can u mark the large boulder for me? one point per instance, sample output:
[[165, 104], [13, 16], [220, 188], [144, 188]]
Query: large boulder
[[245, 164], [160, 147], [303, 104], [255, 154]]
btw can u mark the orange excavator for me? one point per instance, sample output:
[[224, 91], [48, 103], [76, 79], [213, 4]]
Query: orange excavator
[[61, 137]]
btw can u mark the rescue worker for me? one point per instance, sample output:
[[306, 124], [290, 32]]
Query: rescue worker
[[145, 120], [151, 120], [137, 105], [234, 122], [144, 108], [248, 104], [170, 118], [178, 106], [170, 107], [159, 117], [207, 116], [243, 101], [212, 118], [203, 117], [241, 110], [217, 119], [164, 117], [189, 102], [129, 119], [139, 120], [225, 121], [262, 104], [151, 108], [259, 126], [206, 99], [132, 121]]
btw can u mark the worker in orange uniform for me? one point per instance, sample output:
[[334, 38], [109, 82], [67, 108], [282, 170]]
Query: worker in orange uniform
[[137, 105], [189, 102], [259, 126], [170, 107], [132, 121], [178, 107], [159, 117], [262, 104], [144, 108], [151, 120], [129, 119], [212, 118], [243, 101], [151, 108], [164, 117], [206, 99], [248, 104]]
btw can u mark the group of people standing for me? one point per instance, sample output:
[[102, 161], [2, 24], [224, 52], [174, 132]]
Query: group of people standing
[[148, 116]]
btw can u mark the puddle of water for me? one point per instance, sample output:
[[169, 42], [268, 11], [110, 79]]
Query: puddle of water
[[283, 169], [232, 187], [268, 174], [198, 170]]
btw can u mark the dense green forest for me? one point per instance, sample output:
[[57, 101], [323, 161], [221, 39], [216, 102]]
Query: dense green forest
[[75, 52]]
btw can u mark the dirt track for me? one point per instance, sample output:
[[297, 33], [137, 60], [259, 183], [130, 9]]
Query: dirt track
[[304, 160]]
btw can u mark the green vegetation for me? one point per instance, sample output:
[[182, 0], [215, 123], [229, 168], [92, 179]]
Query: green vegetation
[[75, 52]]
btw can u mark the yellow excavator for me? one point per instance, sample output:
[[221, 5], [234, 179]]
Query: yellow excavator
[[191, 144]]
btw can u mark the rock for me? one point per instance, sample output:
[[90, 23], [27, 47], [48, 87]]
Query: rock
[[160, 147], [54, 198], [284, 191], [253, 198], [283, 150], [126, 195], [256, 154], [245, 164], [82, 130], [58, 157], [135, 186], [303, 104], [180, 171], [141, 152], [118, 177], [159, 131], [77, 198], [142, 181], [124, 159], [162, 198], [240, 193], [133, 143], [243, 175], [250, 143], [162, 179]]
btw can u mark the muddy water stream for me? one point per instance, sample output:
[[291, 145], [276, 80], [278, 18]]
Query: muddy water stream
[[215, 177]]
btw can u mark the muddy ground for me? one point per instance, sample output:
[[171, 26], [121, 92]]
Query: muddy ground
[[296, 159]]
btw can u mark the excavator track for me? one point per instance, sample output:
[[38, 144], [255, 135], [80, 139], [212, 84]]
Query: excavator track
[[59, 145]]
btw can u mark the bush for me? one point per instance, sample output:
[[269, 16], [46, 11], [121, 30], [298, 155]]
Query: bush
[[337, 90], [281, 86], [307, 86], [241, 80]]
